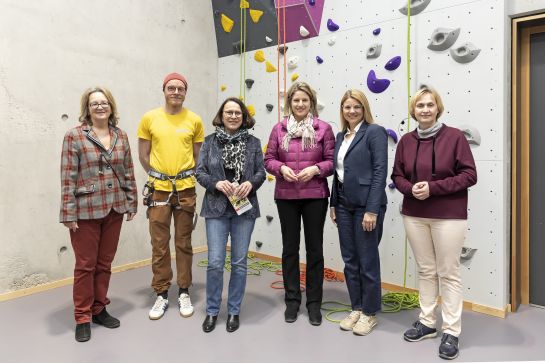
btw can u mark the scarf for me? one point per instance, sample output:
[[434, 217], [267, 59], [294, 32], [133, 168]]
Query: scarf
[[429, 132], [234, 149], [301, 129]]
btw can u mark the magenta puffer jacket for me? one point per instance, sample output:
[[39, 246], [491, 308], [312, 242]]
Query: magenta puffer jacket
[[295, 158]]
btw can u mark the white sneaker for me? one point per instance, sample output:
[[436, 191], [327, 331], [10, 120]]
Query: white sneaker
[[186, 309], [159, 308], [365, 324], [351, 320]]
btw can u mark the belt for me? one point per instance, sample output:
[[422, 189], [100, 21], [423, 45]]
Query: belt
[[181, 175]]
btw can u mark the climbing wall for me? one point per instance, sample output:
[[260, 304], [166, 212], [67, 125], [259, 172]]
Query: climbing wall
[[370, 35]]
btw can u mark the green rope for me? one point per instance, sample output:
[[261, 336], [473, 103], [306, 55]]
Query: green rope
[[338, 307], [254, 265]]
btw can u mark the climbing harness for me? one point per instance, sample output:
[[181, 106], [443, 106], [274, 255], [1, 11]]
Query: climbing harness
[[149, 188]]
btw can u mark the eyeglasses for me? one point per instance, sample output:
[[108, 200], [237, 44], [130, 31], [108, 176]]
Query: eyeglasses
[[233, 113], [102, 104], [172, 89], [355, 107]]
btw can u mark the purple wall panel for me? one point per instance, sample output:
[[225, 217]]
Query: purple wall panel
[[300, 12]]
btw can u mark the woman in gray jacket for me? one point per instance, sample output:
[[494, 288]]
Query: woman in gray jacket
[[231, 170]]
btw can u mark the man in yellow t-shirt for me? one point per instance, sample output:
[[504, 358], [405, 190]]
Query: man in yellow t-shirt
[[169, 141]]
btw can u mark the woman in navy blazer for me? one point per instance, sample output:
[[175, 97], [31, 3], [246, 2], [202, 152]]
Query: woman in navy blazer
[[358, 205]]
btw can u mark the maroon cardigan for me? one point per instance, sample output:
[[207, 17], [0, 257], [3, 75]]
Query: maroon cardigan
[[454, 171]]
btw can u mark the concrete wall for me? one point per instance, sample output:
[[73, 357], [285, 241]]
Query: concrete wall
[[50, 51]]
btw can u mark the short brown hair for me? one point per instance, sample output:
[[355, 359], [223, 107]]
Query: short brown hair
[[300, 86], [85, 116], [360, 97], [421, 92], [247, 121]]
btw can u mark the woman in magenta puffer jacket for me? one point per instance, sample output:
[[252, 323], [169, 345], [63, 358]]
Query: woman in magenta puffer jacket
[[300, 156]]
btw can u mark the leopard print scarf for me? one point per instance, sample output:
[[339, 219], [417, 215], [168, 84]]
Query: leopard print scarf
[[234, 150]]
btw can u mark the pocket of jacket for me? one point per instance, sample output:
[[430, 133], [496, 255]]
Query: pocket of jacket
[[86, 189]]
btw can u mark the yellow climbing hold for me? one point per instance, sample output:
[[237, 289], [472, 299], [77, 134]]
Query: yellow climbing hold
[[270, 67], [265, 148], [259, 56], [270, 177], [223, 87], [227, 23], [251, 110], [294, 77], [255, 15], [244, 4]]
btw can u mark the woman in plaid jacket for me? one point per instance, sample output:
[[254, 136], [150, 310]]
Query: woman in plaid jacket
[[97, 188]]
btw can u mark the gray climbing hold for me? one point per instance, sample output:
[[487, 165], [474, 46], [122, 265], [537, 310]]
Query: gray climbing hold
[[374, 51], [472, 135], [258, 244], [282, 49], [238, 46], [269, 107], [465, 53], [417, 6], [443, 38], [269, 218], [249, 82], [467, 253]]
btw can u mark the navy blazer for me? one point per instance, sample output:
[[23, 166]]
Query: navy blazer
[[365, 168], [210, 170]]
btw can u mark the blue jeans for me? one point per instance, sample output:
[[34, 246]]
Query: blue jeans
[[359, 250], [217, 232]]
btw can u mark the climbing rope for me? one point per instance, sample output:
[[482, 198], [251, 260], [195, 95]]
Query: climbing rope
[[242, 52], [281, 7]]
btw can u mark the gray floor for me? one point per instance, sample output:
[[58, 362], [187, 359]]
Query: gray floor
[[40, 328]]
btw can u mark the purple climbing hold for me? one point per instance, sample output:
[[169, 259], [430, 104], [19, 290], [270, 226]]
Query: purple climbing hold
[[392, 185], [312, 2], [319, 59], [376, 31], [375, 84], [393, 63], [332, 26], [392, 134]]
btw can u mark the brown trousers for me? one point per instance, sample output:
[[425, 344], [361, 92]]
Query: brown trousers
[[159, 226]]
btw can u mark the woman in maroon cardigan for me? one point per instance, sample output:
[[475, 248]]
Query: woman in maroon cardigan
[[300, 155], [433, 168]]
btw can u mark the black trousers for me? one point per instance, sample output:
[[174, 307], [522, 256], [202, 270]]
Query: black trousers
[[313, 213]]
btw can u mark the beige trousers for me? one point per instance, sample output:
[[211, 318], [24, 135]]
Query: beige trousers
[[437, 245]]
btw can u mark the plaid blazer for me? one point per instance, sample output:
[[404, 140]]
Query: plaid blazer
[[89, 187]]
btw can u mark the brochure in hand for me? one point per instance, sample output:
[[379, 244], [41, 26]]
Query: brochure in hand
[[241, 205]]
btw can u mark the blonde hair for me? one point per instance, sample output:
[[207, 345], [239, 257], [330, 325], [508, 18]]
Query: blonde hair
[[85, 116], [418, 95], [360, 97], [304, 87]]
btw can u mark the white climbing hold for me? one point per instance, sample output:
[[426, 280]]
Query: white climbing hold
[[319, 105], [292, 62], [268, 40], [304, 32], [331, 40]]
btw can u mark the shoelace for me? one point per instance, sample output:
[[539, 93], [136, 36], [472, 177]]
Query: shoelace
[[185, 301], [159, 305]]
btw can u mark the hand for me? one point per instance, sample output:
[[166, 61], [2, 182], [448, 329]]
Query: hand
[[73, 226], [243, 189], [308, 173], [288, 174], [369, 221], [130, 216], [225, 187], [421, 190], [332, 215]]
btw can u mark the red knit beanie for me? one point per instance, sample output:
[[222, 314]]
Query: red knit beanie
[[172, 76]]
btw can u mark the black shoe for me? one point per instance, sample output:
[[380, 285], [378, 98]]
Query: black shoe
[[105, 319], [315, 316], [83, 332], [232, 323], [418, 332], [449, 346], [209, 323], [290, 315]]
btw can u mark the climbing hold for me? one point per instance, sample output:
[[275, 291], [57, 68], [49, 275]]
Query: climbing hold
[[319, 105], [258, 244], [376, 31], [281, 92], [226, 23], [332, 26], [319, 59], [472, 135], [417, 6], [292, 62], [392, 134], [269, 67], [255, 15], [467, 253], [465, 53], [294, 77], [393, 63], [443, 39], [270, 177], [217, 13], [223, 87], [265, 148], [249, 82], [331, 40], [269, 107], [268, 40], [244, 4], [238, 46], [392, 185], [375, 84], [282, 49], [251, 110], [312, 2], [304, 32], [259, 56], [374, 51], [269, 218]]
